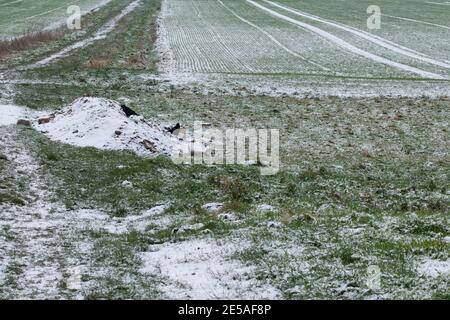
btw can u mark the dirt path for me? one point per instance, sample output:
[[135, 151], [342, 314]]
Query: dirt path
[[29, 249], [44, 248]]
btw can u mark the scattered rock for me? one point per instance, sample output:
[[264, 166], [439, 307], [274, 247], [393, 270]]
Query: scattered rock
[[118, 132], [150, 146], [127, 184], [46, 120], [213, 207], [231, 217], [22, 122], [367, 151]]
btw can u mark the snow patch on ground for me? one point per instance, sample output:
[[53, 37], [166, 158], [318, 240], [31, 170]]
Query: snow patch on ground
[[265, 208], [213, 207], [144, 222], [101, 123], [33, 245], [10, 114], [43, 247], [434, 268], [202, 269]]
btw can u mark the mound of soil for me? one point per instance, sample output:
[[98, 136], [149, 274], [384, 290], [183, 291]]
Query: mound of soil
[[103, 123]]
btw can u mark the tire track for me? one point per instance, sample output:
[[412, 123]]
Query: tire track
[[349, 47], [367, 36], [10, 3], [417, 21], [273, 38], [49, 11], [439, 3]]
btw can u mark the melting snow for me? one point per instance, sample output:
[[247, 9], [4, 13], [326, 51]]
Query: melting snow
[[434, 268], [9, 114], [200, 269], [213, 207], [265, 208]]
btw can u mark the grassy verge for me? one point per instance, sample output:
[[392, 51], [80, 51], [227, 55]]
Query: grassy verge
[[133, 45]]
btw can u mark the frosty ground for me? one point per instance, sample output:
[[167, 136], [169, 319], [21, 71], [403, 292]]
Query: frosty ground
[[364, 177]]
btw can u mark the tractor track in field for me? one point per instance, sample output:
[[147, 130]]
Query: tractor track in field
[[184, 54], [10, 3], [347, 46], [367, 36], [49, 11], [272, 38], [416, 21]]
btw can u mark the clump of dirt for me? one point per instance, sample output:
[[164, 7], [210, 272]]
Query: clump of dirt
[[105, 124]]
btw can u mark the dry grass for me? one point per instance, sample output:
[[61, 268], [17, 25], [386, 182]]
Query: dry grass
[[234, 188], [137, 61], [98, 63], [27, 41]]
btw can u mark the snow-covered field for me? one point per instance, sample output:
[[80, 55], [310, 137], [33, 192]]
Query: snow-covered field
[[250, 34], [21, 16], [91, 206], [250, 40]]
